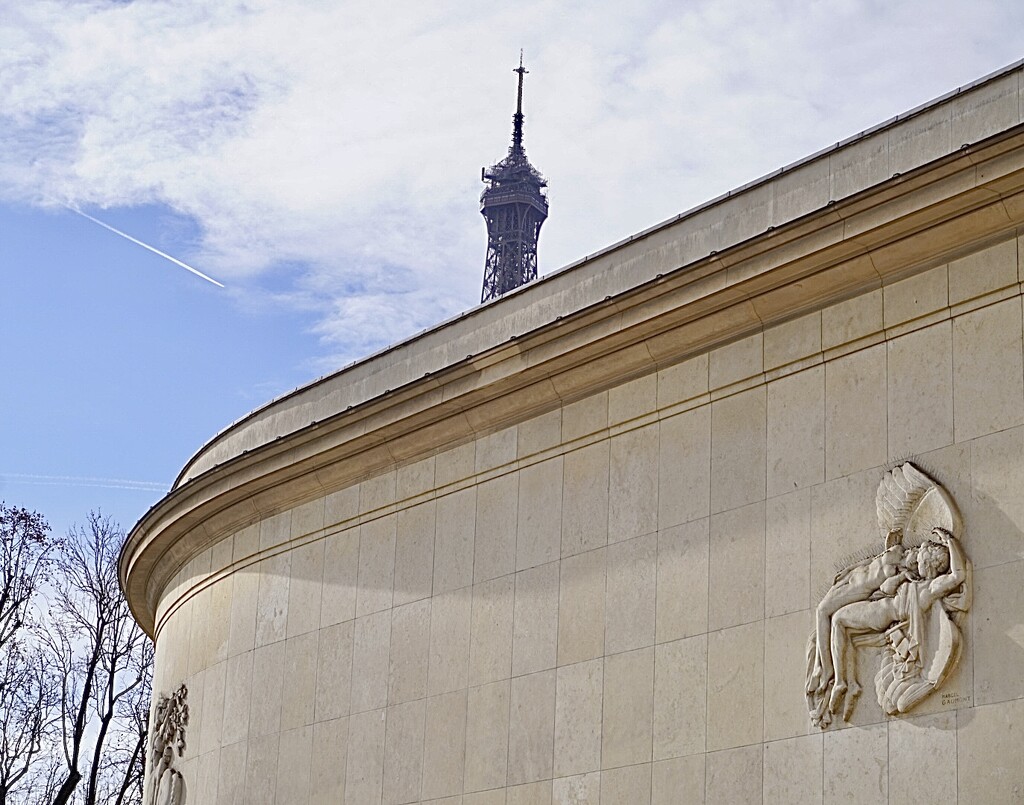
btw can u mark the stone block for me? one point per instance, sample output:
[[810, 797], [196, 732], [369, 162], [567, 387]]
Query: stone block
[[403, 752], [487, 736], [985, 110], [529, 794], [329, 758], [990, 753], [245, 543], [496, 449], [378, 492], [410, 652], [585, 417], [453, 542], [852, 319], [540, 514], [799, 191], [455, 464], [376, 565], [539, 433], [272, 600], [844, 526], [995, 530], [787, 564], [370, 648], [535, 619], [334, 672], [414, 553], [415, 479], [733, 776], [531, 728], [785, 666], [678, 780], [920, 385], [580, 789], [856, 765], [989, 269], [305, 588], [796, 431], [448, 668], [859, 165], [237, 689], [579, 690], [629, 609], [231, 775], [307, 518], [299, 691], [632, 399], [275, 530], [633, 484], [627, 717], [997, 617], [737, 553], [683, 381], [855, 412], [738, 449], [988, 370], [261, 772], [265, 699], [792, 771], [245, 584], [490, 652], [341, 506], [922, 758], [684, 472], [585, 499], [497, 504], [920, 139], [682, 584], [680, 697], [364, 771], [735, 686], [792, 340], [915, 296], [212, 720], [581, 607], [294, 762], [736, 361], [341, 568], [626, 785]]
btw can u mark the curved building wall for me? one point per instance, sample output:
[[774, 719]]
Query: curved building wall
[[581, 564], [611, 602]]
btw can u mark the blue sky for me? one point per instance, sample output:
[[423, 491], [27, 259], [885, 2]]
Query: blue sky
[[322, 160]]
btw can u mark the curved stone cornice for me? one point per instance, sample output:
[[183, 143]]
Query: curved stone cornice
[[893, 228]]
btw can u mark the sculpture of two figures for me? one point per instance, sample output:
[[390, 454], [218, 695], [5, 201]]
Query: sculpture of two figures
[[909, 600], [167, 739]]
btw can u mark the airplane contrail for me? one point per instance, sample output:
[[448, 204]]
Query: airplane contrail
[[77, 480], [138, 242]]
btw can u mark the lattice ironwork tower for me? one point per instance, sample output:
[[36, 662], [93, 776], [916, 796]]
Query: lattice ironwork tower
[[514, 206]]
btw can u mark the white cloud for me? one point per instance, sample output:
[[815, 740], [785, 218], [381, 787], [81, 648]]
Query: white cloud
[[347, 139]]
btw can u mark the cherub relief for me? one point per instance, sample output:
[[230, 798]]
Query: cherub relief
[[888, 601]]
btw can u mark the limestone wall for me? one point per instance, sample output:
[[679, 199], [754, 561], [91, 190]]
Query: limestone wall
[[610, 603]]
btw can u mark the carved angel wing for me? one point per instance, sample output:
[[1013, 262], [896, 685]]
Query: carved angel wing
[[909, 500]]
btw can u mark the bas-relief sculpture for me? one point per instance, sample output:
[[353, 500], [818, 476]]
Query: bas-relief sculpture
[[167, 786], [909, 600]]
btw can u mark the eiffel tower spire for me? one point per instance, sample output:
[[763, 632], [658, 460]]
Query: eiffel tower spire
[[514, 207]]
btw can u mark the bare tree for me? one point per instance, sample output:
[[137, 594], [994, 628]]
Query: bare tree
[[105, 662], [27, 684], [26, 711], [25, 546], [75, 668]]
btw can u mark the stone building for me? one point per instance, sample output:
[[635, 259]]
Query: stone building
[[568, 547]]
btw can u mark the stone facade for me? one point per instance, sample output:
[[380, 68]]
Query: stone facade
[[582, 564]]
